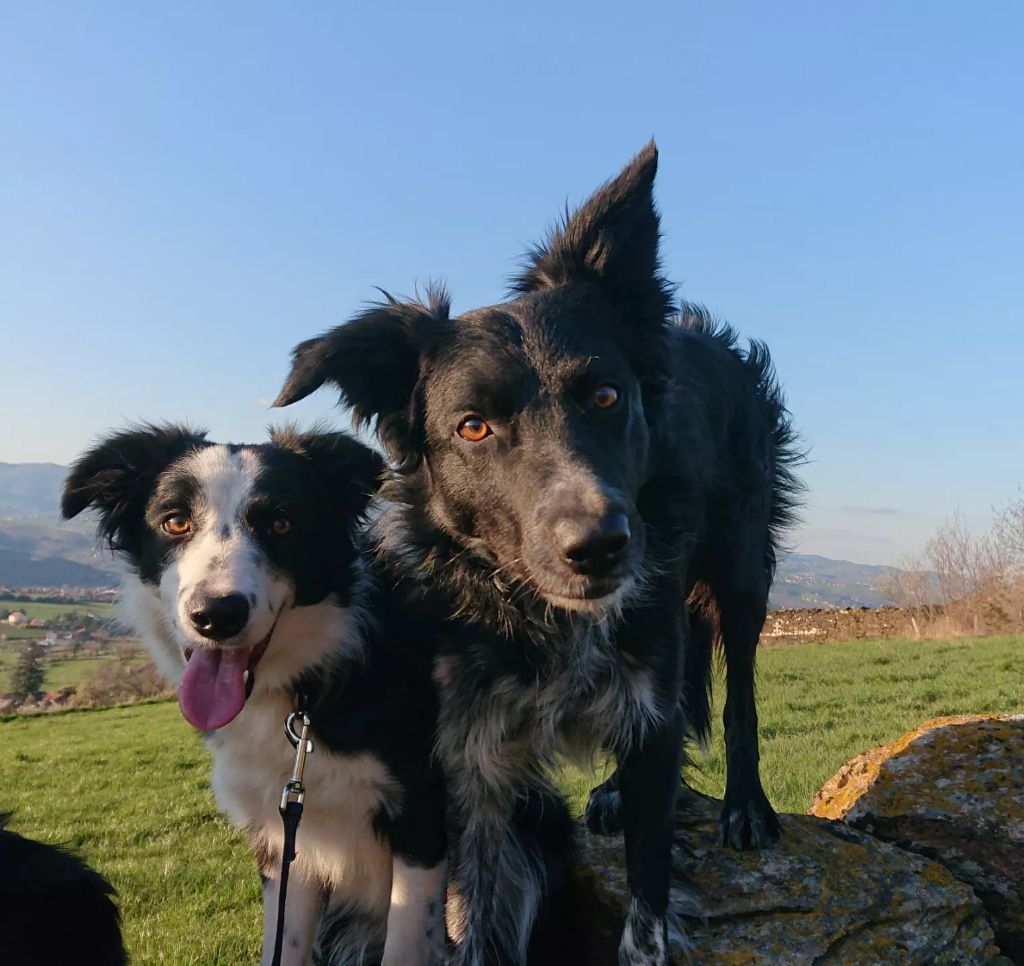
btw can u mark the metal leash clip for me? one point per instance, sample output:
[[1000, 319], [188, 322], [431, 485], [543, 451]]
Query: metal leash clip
[[291, 811], [294, 791]]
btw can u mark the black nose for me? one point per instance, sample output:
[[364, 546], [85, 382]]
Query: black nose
[[592, 547], [219, 618]]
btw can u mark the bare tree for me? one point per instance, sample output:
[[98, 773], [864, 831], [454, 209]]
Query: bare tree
[[1009, 530], [965, 582]]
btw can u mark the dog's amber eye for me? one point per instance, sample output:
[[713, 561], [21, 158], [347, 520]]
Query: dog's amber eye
[[177, 525], [281, 526], [605, 396], [474, 429]]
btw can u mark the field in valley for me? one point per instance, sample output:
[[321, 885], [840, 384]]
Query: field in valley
[[59, 672], [61, 669], [129, 786]]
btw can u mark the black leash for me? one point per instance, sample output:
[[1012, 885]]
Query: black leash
[[292, 797]]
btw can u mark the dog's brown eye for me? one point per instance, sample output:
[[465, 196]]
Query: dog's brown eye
[[281, 526], [605, 397], [177, 525], [474, 429]]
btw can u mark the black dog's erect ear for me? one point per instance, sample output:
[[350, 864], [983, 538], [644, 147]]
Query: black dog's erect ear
[[351, 471], [374, 360], [109, 476], [612, 238]]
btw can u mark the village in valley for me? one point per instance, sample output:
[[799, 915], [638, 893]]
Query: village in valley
[[62, 647]]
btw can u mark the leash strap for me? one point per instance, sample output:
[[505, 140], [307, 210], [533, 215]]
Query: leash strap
[[292, 798], [290, 816]]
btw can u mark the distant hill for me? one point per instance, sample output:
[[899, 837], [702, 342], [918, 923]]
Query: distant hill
[[807, 580], [38, 549], [36, 554], [30, 490]]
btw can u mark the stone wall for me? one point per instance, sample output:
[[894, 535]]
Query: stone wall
[[836, 624]]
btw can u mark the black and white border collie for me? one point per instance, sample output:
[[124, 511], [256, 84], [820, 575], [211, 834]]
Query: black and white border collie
[[244, 575], [573, 466]]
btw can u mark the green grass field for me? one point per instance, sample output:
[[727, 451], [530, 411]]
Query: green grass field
[[128, 786], [11, 635]]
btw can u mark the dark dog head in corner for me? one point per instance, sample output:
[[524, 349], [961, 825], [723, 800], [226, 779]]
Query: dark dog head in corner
[[523, 429]]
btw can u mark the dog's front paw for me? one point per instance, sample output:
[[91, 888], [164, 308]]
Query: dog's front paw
[[748, 821], [644, 937], [604, 811]]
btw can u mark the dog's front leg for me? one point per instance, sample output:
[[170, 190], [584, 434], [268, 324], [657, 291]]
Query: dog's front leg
[[302, 908], [649, 781], [416, 931], [419, 869]]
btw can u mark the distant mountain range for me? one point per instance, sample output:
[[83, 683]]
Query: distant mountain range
[[807, 580], [43, 555], [38, 549], [30, 490]]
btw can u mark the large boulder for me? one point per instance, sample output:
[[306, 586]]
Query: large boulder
[[825, 893], [951, 790]]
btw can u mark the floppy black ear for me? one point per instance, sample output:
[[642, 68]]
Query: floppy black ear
[[374, 360], [351, 471], [611, 239], [114, 475]]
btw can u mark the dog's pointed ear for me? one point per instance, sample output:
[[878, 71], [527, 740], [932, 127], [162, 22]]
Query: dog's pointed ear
[[612, 238], [110, 476], [374, 360], [350, 470]]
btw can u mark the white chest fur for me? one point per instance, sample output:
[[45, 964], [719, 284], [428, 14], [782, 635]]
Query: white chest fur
[[336, 844]]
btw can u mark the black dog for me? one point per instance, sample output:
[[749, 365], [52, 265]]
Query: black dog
[[54, 909], [573, 466]]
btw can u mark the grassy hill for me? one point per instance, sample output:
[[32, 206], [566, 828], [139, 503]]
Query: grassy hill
[[129, 786]]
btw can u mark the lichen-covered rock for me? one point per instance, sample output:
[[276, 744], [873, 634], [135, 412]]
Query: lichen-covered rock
[[824, 893], [952, 790]]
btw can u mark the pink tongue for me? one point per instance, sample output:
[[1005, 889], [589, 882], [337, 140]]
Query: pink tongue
[[212, 690]]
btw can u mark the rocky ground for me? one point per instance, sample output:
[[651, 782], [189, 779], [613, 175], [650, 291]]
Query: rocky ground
[[951, 790], [913, 854]]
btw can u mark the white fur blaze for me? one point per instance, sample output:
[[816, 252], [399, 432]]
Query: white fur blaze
[[222, 557]]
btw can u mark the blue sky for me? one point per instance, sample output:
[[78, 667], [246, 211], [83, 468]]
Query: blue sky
[[187, 189]]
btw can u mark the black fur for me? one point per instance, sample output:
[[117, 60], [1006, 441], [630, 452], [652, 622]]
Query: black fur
[[118, 474], [579, 558], [54, 909]]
